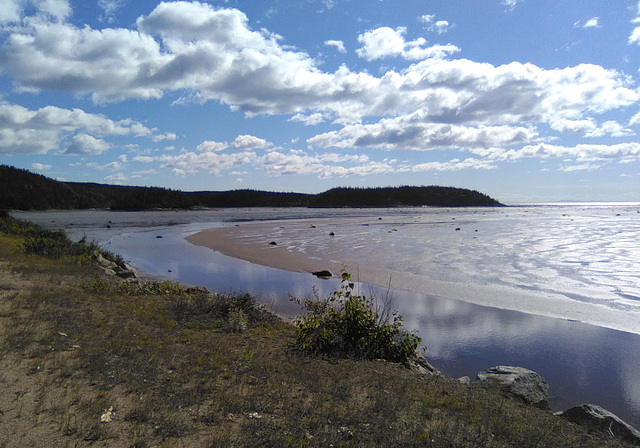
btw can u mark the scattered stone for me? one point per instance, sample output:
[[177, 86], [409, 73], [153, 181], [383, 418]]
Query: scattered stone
[[597, 419], [323, 274], [523, 383]]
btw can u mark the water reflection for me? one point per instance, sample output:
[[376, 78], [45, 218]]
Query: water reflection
[[582, 363]]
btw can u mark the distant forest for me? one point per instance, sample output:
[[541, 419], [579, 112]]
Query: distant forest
[[23, 190]]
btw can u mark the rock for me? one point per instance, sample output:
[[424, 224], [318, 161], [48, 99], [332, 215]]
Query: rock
[[523, 383], [597, 419], [423, 366], [465, 380], [322, 274], [159, 236], [332, 234], [273, 243]]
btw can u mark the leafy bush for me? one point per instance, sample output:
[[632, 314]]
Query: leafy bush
[[350, 325]]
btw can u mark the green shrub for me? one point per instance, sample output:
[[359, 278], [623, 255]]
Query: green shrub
[[349, 325]]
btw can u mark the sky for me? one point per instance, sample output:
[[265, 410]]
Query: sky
[[524, 100]]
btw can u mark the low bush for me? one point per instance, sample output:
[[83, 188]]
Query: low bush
[[350, 325]]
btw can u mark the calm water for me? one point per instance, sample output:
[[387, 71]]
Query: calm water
[[573, 261]]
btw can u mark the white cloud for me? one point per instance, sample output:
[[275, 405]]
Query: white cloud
[[308, 120], [39, 131], [336, 43], [411, 132], [116, 179], [511, 4], [250, 142], [592, 23], [110, 7], [211, 54], [581, 167], [41, 166], [622, 152], [212, 162], [387, 42], [86, 144], [454, 165], [212, 146], [167, 136], [439, 26], [589, 128], [10, 11], [143, 159]]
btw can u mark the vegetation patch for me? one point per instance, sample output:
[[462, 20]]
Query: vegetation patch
[[351, 325]]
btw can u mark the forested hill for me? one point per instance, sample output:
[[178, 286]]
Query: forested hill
[[23, 190]]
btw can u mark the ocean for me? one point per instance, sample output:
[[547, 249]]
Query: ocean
[[554, 288]]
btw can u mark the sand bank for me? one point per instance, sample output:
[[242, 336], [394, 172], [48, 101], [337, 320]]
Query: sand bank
[[240, 243]]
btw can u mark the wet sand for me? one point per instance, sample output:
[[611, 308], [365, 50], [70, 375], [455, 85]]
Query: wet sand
[[241, 242]]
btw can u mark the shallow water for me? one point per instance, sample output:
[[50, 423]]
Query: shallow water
[[573, 254]]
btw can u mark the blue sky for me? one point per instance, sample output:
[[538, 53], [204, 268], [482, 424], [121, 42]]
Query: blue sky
[[525, 100]]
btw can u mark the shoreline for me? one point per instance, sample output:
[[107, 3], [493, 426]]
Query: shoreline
[[231, 241]]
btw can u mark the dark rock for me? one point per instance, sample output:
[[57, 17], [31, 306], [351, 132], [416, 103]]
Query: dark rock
[[523, 383], [457, 228], [159, 236], [332, 234], [273, 243], [597, 419], [322, 274]]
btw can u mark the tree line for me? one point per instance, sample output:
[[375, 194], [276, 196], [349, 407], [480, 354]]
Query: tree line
[[23, 190]]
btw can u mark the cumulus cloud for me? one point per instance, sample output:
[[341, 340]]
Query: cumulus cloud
[[86, 144], [591, 23], [622, 152], [410, 132], [250, 142], [41, 166], [167, 136], [116, 179], [308, 120], [210, 54], [212, 162], [212, 146], [437, 26], [39, 131], [590, 128], [386, 42], [338, 44]]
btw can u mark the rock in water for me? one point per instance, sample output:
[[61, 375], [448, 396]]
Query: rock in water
[[523, 383], [595, 418], [323, 274]]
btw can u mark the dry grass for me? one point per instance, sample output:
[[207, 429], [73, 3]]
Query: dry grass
[[207, 370]]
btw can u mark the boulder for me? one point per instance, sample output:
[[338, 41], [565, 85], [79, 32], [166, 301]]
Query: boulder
[[520, 382], [597, 419], [323, 274], [423, 366]]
